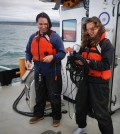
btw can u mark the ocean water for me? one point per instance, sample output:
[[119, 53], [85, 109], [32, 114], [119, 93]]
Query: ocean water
[[13, 41]]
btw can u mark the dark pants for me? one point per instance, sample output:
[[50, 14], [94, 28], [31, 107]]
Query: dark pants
[[96, 96], [48, 86]]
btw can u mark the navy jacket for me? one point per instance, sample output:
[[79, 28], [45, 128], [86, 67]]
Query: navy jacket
[[48, 68]]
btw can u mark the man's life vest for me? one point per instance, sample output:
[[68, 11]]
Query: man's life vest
[[41, 47], [94, 53]]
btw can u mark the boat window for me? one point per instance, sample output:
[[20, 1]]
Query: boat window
[[69, 30]]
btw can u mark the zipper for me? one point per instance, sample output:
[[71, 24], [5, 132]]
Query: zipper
[[38, 50], [55, 72]]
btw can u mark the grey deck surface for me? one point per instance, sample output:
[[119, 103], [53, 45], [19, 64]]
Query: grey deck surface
[[14, 123]]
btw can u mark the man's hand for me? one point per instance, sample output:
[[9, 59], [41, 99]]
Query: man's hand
[[28, 65], [48, 58]]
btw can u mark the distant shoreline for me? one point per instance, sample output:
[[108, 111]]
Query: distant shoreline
[[54, 24]]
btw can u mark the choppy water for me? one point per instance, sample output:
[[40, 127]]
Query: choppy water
[[13, 40]]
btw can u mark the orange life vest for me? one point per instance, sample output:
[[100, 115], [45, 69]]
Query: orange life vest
[[94, 54], [41, 47]]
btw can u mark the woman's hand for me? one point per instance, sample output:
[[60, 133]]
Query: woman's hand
[[79, 62]]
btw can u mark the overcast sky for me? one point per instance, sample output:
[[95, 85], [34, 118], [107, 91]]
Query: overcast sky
[[25, 10]]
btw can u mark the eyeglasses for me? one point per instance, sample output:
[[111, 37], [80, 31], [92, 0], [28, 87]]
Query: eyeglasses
[[92, 29]]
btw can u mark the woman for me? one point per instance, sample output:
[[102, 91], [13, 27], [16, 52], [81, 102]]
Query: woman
[[94, 95]]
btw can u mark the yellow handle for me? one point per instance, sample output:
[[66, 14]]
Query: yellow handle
[[22, 66]]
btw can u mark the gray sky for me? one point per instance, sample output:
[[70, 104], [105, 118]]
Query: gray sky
[[25, 10]]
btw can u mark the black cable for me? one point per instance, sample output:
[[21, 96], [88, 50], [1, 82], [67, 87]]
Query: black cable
[[77, 72], [67, 85], [70, 67], [113, 3], [16, 103], [115, 47], [30, 114], [86, 4], [113, 8], [69, 103]]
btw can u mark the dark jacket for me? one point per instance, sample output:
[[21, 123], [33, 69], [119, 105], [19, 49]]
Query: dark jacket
[[55, 65], [105, 64]]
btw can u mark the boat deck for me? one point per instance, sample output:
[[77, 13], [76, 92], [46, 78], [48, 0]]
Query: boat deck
[[14, 123]]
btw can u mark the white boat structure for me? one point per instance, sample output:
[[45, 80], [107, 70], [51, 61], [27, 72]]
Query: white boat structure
[[72, 16]]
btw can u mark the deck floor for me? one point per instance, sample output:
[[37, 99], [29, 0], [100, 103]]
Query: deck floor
[[14, 123]]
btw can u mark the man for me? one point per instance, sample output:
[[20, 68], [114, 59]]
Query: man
[[46, 49]]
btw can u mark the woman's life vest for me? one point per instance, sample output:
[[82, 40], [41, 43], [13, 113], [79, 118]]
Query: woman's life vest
[[94, 53], [41, 47]]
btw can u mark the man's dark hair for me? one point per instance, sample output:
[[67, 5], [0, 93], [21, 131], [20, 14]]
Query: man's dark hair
[[44, 15]]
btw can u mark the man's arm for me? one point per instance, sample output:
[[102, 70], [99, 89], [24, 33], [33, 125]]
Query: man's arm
[[58, 44]]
